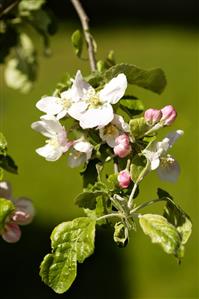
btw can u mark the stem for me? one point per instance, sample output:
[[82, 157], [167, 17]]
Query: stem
[[4, 11], [89, 40], [110, 216], [130, 202], [146, 204]]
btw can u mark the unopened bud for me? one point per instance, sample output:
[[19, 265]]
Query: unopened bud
[[168, 115], [122, 147], [124, 179], [12, 233], [152, 116], [24, 212]]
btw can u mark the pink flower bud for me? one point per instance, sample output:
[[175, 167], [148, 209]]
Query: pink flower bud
[[24, 212], [152, 116], [12, 233], [124, 179], [122, 147], [168, 115]]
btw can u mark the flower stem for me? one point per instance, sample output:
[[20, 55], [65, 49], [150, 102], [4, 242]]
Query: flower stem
[[110, 216], [146, 204], [85, 26], [130, 201]]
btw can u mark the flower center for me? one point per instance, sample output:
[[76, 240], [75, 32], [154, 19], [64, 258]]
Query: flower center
[[94, 102], [66, 103], [110, 130], [167, 161], [53, 142]]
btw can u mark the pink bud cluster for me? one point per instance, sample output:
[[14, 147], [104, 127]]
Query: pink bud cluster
[[122, 146], [124, 179], [167, 115], [22, 215]]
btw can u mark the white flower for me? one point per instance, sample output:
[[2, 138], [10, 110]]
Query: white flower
[[94, 109], [156, 154], [81, 153], [111, 131], [57, 144], [61, 106]]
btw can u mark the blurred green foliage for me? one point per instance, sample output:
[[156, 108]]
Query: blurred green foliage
[[149, 273]]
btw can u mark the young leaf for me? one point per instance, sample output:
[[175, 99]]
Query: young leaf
[[138, 168], [77, 42], [29, 5], [163, 233], [7, 163], [176, 216], [153, 80], [6, 209], [87, 200], [71, 242], [120, 234], [138, 127], [3, 144]]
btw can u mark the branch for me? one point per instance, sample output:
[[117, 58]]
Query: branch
[[84, 21], [8, 7]]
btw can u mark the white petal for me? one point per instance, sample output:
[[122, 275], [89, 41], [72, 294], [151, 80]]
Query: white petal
[[83, 146], [98, 117], [49, 152], [114, 90], [173, 136], [155, 163], [50, 105], [78, 89], [119, 122], [47, 126], [76, 109], [75, 160], [170, 172]]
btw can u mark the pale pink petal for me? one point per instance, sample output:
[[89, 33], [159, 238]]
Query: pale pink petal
[[24, 212], [5, 190], [12, 233], [169, 172]]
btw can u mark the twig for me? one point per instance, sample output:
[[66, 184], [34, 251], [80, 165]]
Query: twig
[[4, 11], [84, 21]]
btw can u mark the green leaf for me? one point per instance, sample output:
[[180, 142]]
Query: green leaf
[[21, 71], [163, 233], [138, 127], [138, 168], [176, 216], [120, 234], [136, 105], [153, 80], [87, 200], [7, 163], [1, 174], [3, 144], [77, 42], [71, 242], [28, 5], [6, 209]]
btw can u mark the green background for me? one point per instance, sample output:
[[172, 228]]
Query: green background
[[142, 269]]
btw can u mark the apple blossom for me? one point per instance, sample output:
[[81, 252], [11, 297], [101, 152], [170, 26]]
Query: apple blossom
[[63, 105], [124, 178], [110, 132], [122, 146], [156, 154], [94, 109], [80, 153], [57, 144]]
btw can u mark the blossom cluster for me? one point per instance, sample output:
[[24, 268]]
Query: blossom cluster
[[93, 111], [22, 215]]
